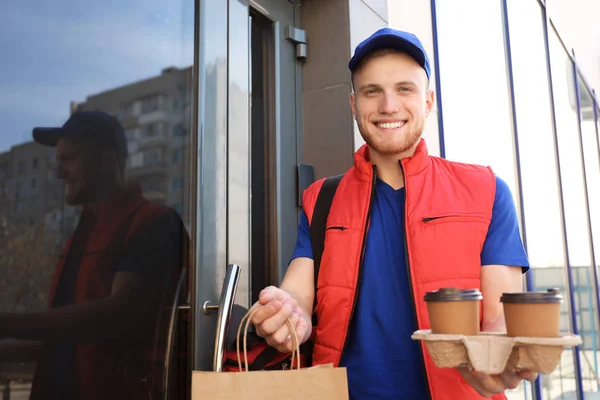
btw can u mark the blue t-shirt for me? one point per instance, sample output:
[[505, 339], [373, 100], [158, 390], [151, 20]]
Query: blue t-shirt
[[381, 359]]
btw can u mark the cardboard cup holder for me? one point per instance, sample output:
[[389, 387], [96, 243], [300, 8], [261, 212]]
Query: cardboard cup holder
[[491, 352]]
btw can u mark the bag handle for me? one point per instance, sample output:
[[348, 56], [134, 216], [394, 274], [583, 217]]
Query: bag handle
[[245, 322]]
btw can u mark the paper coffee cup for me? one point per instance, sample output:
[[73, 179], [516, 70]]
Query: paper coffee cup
[[454, 311], [532, 314]]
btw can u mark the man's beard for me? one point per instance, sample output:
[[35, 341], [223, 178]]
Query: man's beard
[[390, 148]]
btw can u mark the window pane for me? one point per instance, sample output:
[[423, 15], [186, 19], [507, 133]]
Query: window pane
[[541, 201], [129, 59], [469, 135], [585, 279], [571, 167]]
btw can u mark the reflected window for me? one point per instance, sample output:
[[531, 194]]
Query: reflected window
[[152, 157], [178, 156], [151, 104], [131, 135], [177, 184], [178, 130]]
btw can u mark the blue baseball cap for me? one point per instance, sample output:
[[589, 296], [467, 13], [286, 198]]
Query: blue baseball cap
[[388, 38], [86, 124]]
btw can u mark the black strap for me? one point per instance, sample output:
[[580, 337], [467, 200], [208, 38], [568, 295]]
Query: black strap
[[318, 225]]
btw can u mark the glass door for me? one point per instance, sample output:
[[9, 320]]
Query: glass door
[[95, 215], [249, 88]]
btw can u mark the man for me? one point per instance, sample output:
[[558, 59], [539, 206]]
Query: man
[[103, 335], [402, 223]]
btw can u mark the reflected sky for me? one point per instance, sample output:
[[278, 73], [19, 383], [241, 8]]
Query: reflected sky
[[65, 50]]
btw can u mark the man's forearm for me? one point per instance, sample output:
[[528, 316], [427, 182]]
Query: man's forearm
[[84, 322], [496, 280], [299, 283], [19, 351]]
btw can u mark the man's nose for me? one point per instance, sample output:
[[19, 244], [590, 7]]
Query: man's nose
[[389, 104]]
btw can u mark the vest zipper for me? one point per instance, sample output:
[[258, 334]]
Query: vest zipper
[[429, 219], [410, 284], [362, 256], [337, 228], [467, 216]]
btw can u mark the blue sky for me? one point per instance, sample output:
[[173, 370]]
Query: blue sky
[[58, 51]]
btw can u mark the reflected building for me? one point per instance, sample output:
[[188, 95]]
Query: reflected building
[[155, 114]]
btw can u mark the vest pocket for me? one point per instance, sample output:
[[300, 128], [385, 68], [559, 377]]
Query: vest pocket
[[440, 219]]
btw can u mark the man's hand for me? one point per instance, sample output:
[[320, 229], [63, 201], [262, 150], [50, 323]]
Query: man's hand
[[495, 280], [489, 385], [275, 306]]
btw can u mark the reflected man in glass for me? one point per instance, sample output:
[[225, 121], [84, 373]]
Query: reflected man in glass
[[104, 333]]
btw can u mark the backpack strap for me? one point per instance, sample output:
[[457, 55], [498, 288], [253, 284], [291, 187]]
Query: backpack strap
[[318, 225]]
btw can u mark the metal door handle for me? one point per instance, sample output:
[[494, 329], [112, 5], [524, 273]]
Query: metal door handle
[[224, 309], [171, 332]]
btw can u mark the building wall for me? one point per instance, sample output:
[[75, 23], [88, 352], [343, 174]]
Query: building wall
[[327, 118], [333, 28]]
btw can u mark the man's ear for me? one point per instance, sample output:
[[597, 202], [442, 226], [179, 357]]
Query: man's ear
[[429, 102], [353, 104]]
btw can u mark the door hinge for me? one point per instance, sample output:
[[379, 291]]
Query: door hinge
[[298, 37]]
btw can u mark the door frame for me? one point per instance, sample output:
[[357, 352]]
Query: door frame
[[221, 188]]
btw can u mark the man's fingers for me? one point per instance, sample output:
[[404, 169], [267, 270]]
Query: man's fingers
[[281, 336], [301, 326], [265, 312], [528, 375], [511, 379], [473, 381], [272, 324], [493, 384], [272, 293]]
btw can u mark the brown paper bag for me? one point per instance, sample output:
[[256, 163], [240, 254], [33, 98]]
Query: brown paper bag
[[316, 383]]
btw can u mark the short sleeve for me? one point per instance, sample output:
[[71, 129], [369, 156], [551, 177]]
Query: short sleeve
[[303, 245], [503, 244], [157, 251]]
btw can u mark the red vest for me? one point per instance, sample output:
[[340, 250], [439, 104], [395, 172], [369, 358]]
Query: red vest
[[127, 367], [447, 215]]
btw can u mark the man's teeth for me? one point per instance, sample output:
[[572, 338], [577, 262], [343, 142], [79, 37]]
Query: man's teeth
[[390, 125]]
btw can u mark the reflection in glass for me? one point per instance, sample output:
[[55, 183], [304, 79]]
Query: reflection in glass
[[541, 202], [64, 257], [571, 168], [586, 294]]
